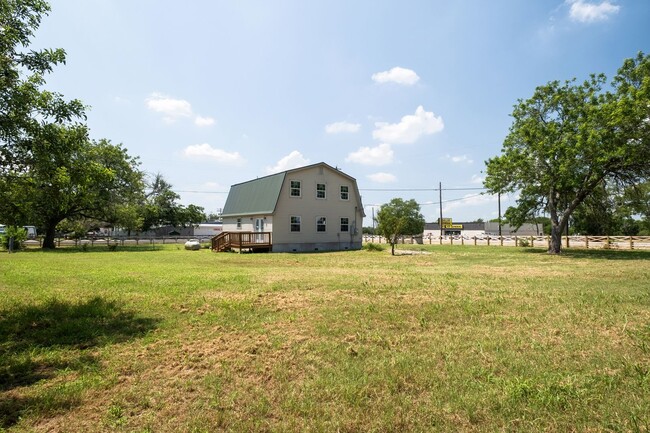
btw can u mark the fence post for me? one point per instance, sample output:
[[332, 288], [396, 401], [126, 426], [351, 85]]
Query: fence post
[[501, 240], [532, 241], [516, 241], [440, 239], [474, 240], [451, 240], [631, 243], [462, 240], [586, 241], [488, 238]]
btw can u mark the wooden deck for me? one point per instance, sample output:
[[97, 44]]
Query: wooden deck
[[242, 241]]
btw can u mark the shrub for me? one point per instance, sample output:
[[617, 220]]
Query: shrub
[[18, 233], [373, 247], [523, 242]]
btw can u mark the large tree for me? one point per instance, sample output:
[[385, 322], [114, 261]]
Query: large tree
[[399, 218], [24, 105], [569, 138], [68, 176], [161, 206]]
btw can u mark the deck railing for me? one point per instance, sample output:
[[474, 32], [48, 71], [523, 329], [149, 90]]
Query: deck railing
[[241, 240]]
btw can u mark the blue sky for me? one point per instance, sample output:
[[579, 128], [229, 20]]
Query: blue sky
[[400, 95]]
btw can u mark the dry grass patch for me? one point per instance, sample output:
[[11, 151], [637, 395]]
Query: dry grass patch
[[460, 339]]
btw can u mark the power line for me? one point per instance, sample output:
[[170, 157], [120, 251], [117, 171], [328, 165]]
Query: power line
[[421, 189], [204, 192], [429, 203]]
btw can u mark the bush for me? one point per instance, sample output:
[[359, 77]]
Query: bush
[[18, 233], [523, 242], [373, 247]]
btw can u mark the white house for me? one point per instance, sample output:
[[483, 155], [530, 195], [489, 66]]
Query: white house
[[311, 208]]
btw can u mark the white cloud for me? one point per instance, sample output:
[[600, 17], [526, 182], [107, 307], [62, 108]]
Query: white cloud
[[206, 151], [406, 77], [379, 155], [382, 177], [469, 200], [171, 108], [174, 109], [339, 127], [586, 12], [203, 121], [458, 159], [410, 128], [476, 179], [292, 160]]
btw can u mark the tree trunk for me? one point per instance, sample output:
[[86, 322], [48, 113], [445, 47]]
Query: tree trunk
[[50, 232], [392, 248], [555, 246]]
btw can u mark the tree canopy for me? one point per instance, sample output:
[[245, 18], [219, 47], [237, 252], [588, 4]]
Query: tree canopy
[[68, 176], [160, 207], [49, 168], [24, 105], [399, 218], [569, 139]]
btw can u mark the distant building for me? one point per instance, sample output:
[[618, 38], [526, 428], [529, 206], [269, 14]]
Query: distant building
[[471, 229]]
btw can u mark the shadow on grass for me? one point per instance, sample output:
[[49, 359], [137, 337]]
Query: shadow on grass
[[597, 254], [37, 341]]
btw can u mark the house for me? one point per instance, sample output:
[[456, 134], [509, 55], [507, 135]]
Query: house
[[311, 208]]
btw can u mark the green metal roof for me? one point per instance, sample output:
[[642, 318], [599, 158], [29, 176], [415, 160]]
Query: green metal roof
[[254, 197]]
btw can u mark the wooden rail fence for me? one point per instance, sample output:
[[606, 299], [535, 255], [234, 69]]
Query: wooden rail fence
[[602, 242]]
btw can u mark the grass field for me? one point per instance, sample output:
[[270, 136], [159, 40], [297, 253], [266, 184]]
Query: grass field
[[457, 339]]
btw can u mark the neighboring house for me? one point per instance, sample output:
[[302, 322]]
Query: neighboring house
[[312, 208]]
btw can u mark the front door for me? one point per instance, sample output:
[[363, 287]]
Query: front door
[[259, 228]]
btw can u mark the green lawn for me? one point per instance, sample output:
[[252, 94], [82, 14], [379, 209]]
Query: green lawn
[[455, 339]]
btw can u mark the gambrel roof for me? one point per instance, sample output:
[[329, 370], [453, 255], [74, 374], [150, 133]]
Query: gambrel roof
[[260, 196]]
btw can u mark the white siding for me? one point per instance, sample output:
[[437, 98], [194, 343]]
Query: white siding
[[310, 209]]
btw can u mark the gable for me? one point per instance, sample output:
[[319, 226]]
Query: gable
[[260, 196]]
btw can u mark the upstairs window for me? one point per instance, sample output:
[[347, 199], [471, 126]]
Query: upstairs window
[[345, 192], [320, 191], [321, 224], [345, 225], [295, 224], [295, 188]]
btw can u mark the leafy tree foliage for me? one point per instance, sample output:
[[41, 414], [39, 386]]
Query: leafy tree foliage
[[13, 238], [24, 106], [161, 208], [68, 176], [614, 211], [568, 138], [399, 218]]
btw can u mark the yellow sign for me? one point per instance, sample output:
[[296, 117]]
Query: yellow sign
[[448, 224]]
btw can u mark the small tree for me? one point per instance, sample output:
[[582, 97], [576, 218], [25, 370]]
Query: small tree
[[399, 218]]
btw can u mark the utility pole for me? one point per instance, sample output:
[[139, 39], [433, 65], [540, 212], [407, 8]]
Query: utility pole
[[440, 200]]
